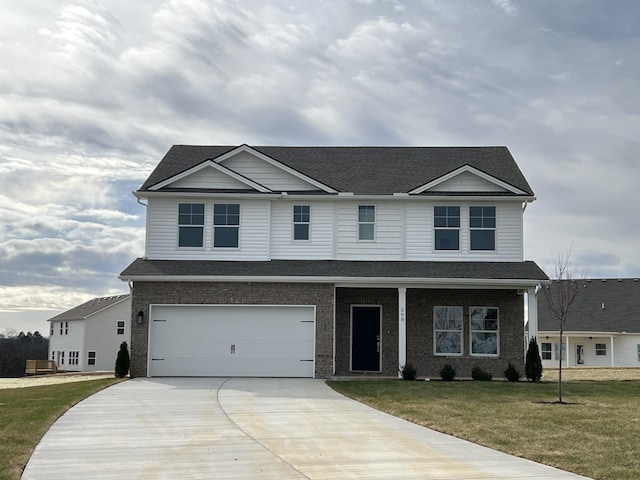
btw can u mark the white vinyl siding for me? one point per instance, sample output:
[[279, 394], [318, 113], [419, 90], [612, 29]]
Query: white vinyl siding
[[266, 174], [420, 233], [102, 335], [320, 243], [162, 242], [72, 341], [209, 177], [387, 244], [467, 182]]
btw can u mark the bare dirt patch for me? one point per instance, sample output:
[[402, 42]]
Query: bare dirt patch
[[35, 381], [595, 374]]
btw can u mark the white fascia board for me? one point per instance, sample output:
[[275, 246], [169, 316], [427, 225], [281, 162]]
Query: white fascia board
[[372, 282], [579, 333], [469, 169], [211, 164], [275, 163]]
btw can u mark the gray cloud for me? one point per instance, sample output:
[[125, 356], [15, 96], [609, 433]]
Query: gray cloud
[[92, 95]]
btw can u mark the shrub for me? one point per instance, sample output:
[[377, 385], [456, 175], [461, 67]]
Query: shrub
[[408, 372], [448, 373], [512, 374], [479, 373], [533, 364], [122, 361]]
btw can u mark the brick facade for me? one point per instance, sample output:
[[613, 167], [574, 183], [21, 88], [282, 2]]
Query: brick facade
[[420, 350], [159, 293]]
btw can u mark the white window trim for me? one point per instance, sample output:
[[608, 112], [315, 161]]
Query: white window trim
[[603, 349], [239, 226], [204, 236], [367, 223], [435, 336], [497, 332], [294, 223], [550, 351], [494, 229], [435, 248]]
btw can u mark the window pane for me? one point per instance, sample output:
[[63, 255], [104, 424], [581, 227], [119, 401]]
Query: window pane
[[367, 213], [190, 236], [546, 351], [301, 231], [484, 343], [365, 231], [225, 237], [447, 240], [191, 214], [448, 342], [447, 318], [301, 213], [483, 240]]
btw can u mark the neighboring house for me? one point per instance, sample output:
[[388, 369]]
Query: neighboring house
[[322, 261], [88, 337], [601, 330]]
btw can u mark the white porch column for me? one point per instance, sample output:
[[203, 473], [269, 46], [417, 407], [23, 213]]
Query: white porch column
[[532, 306], [402, 328], [612, 353]]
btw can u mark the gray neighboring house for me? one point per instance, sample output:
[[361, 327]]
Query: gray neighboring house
[[602, 329], [321, 261], [88, 337]]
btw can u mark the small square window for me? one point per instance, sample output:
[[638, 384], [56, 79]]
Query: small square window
[[601, 349]]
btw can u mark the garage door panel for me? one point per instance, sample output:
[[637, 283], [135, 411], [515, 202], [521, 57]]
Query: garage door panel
[[232, 341]]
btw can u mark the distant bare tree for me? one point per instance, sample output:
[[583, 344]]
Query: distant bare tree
[[560, 294]]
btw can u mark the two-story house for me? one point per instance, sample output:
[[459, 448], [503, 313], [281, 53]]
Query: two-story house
[[321, 261], [87, 337]]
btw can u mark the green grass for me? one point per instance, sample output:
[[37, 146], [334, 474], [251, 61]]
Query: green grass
[[597, 434], [27, 413]]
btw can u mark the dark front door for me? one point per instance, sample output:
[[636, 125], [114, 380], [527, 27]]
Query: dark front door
[[365, 338]]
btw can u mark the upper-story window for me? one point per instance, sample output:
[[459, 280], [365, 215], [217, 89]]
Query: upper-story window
[[482, 223], [190, 224], [226, 224], [301, 220], [120, 327], [446, 221], [366, 222]]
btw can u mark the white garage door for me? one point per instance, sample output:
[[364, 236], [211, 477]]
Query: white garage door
[[232, 340]]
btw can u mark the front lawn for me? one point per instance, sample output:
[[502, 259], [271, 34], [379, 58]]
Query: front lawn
[[597, 434], [27, 413]]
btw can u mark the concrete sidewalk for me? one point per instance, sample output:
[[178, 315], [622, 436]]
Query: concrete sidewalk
[[254, 428]]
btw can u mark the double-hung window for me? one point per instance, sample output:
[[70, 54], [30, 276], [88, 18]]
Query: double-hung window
[[545, 350], [446, 221], [91, 358], [301, 220], [639, 352], [483, 325], [482, 223], [447, 330], [226, 225], [73, 357], [559, 349], [366, 222], [190, 224], [601, 348], [120, 327]]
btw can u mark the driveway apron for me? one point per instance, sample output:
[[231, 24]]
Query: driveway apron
[[181, 428]]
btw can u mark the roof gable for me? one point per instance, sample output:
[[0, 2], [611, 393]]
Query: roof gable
[[360, 170], [467, 179], [89, 308]]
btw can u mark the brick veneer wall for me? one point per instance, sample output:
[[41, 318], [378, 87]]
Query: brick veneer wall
[[420, 303], [419, 317], [159, 293]]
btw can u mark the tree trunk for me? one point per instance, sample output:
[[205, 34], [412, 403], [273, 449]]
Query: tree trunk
[[561, 350]]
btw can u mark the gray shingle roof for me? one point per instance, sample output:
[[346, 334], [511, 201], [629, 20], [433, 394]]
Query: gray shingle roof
[[336, 268], [89, 308], [362, 170], [621, 313]]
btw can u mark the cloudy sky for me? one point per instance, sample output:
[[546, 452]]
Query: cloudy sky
[[93, 94]]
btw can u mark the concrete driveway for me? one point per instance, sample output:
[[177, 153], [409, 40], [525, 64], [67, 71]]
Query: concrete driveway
[[181, 428]]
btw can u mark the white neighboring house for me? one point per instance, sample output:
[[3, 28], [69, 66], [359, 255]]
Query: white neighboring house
[[602, 329], [88, 337]]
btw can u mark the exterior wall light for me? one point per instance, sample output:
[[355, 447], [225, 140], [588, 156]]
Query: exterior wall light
[[140, 318]]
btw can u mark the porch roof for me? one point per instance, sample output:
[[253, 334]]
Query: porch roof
[[332, 271]]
